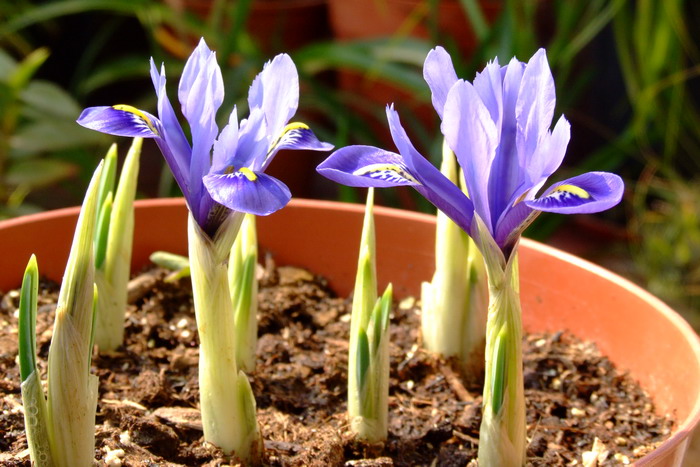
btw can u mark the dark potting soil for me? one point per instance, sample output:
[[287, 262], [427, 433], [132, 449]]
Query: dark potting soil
[[578, 404]]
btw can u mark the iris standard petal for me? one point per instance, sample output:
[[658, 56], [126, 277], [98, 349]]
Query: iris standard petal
[[365, 166], [440, 75], [549, 154], [587, 193], [120, 120], [253, 141], [247, 191], [507, 180], [201, 94], [201, 84], [535, 106], [179, 150], [276, 91], [226, 144], [473, 137], [489, 86]]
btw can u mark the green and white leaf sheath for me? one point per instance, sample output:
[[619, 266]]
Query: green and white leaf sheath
[[113, 246], [454, 303], [368, 360], [243, 283], [226, 398], [364, 298], [72, 390], [33, 398], [502, 435]]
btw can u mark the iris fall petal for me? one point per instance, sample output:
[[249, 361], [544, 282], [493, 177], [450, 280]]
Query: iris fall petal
[[587, 193], [245, 191]]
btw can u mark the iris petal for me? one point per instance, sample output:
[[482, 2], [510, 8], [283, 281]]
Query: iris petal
[[365, 166], [120, 120], [226, 145], [433, 185], [179, 147], [252, 141], [549, 153], [472, 135], [440, 75], [295, 136], [489, 86], [300, 136], [276, 91], [587, 193], [247, 191], [535, 106], [201, 87]]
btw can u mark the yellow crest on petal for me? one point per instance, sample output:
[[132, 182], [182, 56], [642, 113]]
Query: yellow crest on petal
[[140, 114], [247, 173], [574, 190]]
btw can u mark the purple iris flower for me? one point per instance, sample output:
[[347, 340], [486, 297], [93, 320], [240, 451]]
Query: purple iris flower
[[223, 171], [499, 129]]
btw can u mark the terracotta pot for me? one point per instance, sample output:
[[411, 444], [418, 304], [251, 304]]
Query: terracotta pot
[[559, 291]]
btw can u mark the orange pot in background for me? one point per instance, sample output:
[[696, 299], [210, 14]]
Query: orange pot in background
[[638, 332], [369, 19]]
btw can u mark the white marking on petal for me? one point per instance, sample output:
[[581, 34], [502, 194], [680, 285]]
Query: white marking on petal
[[393, 173]]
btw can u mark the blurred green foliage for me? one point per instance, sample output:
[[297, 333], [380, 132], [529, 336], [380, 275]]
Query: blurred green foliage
[[37, 120], [646, 125]]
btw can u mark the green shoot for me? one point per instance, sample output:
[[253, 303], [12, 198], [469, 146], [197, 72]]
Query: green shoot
[[243, 285], [368, 360], [455, 303], [113, 243], [178, 264]]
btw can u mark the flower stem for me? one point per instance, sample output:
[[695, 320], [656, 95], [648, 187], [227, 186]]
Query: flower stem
[[226, 398], [502, 433]]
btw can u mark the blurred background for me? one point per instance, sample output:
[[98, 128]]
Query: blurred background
[[627, 75]]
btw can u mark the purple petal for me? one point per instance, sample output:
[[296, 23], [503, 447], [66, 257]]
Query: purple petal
[[178, 151], [253, 141], [489, 86], [433, 185], [513, 222], [505, 174], [247, 191], [535, 106], [201, 84], [508, 180], [300, 136], [549, 154], [276, 91], [473, 137], [296, 136], [201, 94], [366, 166], [121, 120], [586, 193], [512, 77], [440, 75], [226, 144]]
